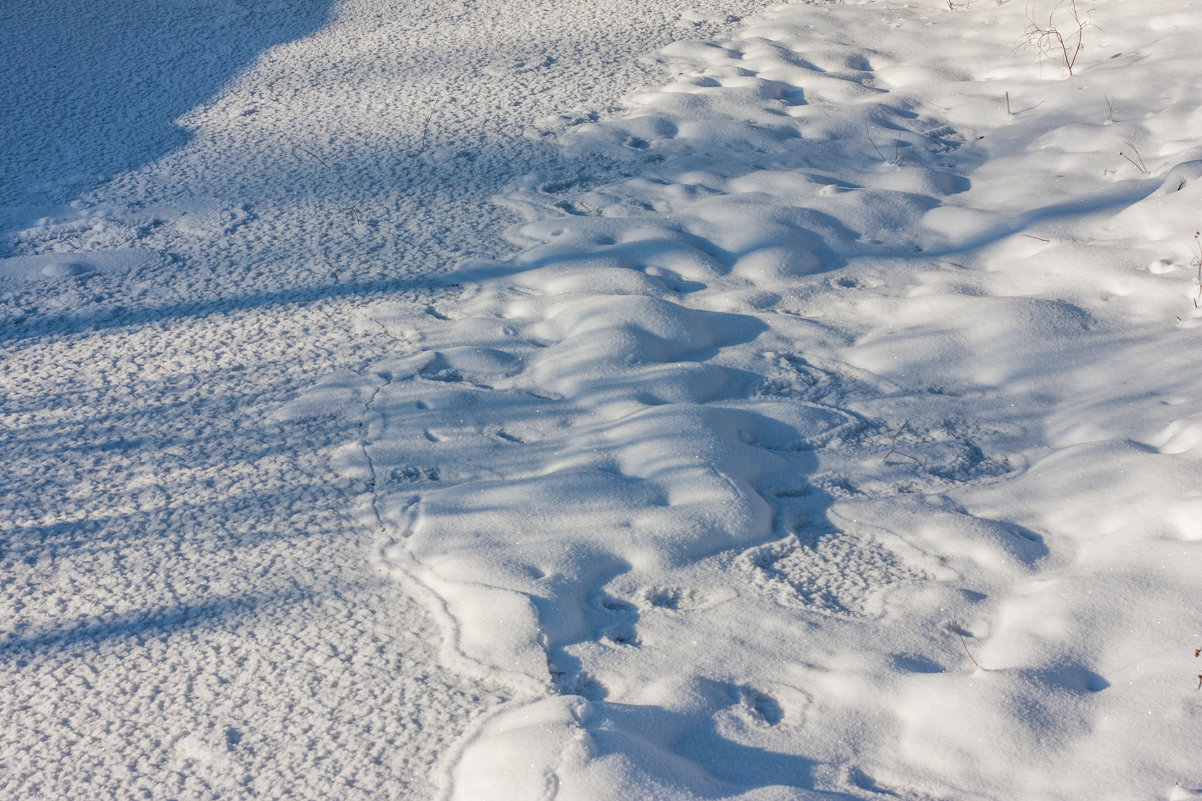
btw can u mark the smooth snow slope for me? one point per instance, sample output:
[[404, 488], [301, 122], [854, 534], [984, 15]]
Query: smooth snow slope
[[848, 446], [199, 203]]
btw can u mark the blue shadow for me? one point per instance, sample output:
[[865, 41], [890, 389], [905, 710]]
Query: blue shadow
[[92, 89]]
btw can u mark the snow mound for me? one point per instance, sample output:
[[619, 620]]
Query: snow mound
[[847, 445]]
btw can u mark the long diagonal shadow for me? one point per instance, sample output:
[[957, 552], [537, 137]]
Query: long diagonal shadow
[[140, 624], [1122, 196], [32, 327], [90, 92]]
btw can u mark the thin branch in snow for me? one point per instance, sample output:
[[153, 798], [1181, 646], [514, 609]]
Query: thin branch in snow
[[1196, 263], [320, 160], [354, 208], [868, 131], [960, 633], [1047, 38], [1139, 165], [898, 159], [893, 447]]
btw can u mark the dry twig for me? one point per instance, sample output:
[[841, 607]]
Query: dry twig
[[1139, 165], [1048, 38], [1196, 263], [893, 447], [960, 633]]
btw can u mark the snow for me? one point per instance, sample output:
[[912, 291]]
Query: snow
[[601, 402]]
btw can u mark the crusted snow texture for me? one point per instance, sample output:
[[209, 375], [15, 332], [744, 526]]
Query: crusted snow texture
[[820, 420]]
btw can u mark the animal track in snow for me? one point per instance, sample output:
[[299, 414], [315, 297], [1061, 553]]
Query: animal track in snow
[[660, 406], [676, 598], [760, 706], [837, 572]]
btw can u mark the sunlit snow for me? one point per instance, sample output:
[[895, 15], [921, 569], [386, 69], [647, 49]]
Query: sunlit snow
[[601, 401]]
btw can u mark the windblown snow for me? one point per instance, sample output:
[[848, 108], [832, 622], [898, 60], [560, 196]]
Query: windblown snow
[[599, 401]]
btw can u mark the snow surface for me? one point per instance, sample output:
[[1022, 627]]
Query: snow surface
[[829, 429]]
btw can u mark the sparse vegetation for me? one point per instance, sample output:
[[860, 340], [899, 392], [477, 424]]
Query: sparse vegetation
[[893, 451], [1138, 161], [1061, 35], [1196, 263], [898, 158], [354, 209], [960, 633]]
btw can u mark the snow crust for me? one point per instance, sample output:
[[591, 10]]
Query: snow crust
[[221, 193], [832, 430]]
